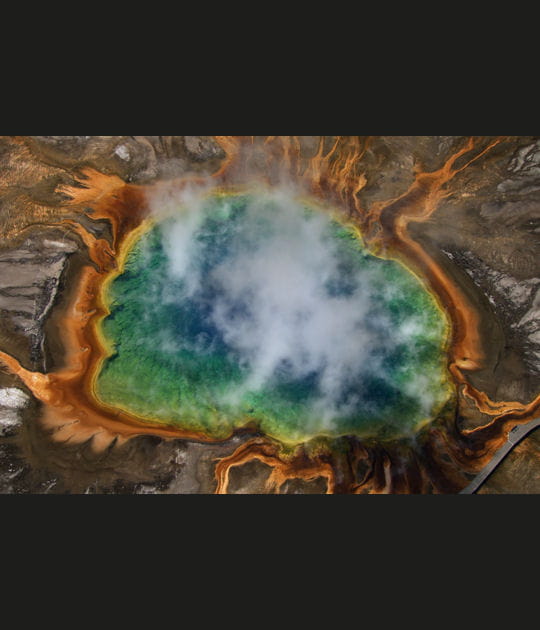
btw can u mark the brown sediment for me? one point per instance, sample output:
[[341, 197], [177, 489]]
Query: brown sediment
[[334, 174], [298, 466]]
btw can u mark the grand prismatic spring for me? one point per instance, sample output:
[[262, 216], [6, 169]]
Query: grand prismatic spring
[[262, 309], [279, 314]]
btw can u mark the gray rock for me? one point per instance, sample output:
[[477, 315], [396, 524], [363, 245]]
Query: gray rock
[[29, 281], [12, 400], [525, 170], [203, 147]]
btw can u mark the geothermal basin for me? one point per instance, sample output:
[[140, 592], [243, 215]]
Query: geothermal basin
[[262, 308]]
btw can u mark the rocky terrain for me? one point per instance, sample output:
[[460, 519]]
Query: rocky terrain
[[486, 235]]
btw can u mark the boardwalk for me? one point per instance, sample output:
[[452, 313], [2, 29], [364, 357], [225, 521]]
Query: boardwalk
[[514, 437]]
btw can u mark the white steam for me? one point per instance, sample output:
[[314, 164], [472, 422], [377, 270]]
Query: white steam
[[273, 306]]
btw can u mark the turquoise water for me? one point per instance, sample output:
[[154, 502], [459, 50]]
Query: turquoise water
[[259, 308]]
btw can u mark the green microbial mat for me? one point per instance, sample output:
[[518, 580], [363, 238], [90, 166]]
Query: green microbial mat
[[261, 308]]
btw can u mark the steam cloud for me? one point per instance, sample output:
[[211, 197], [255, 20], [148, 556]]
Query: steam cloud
[[278, 302]]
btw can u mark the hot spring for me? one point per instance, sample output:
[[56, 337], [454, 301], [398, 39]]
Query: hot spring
[[263, 308]]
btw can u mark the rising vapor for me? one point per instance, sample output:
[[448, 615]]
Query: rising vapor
[[286, 302]]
